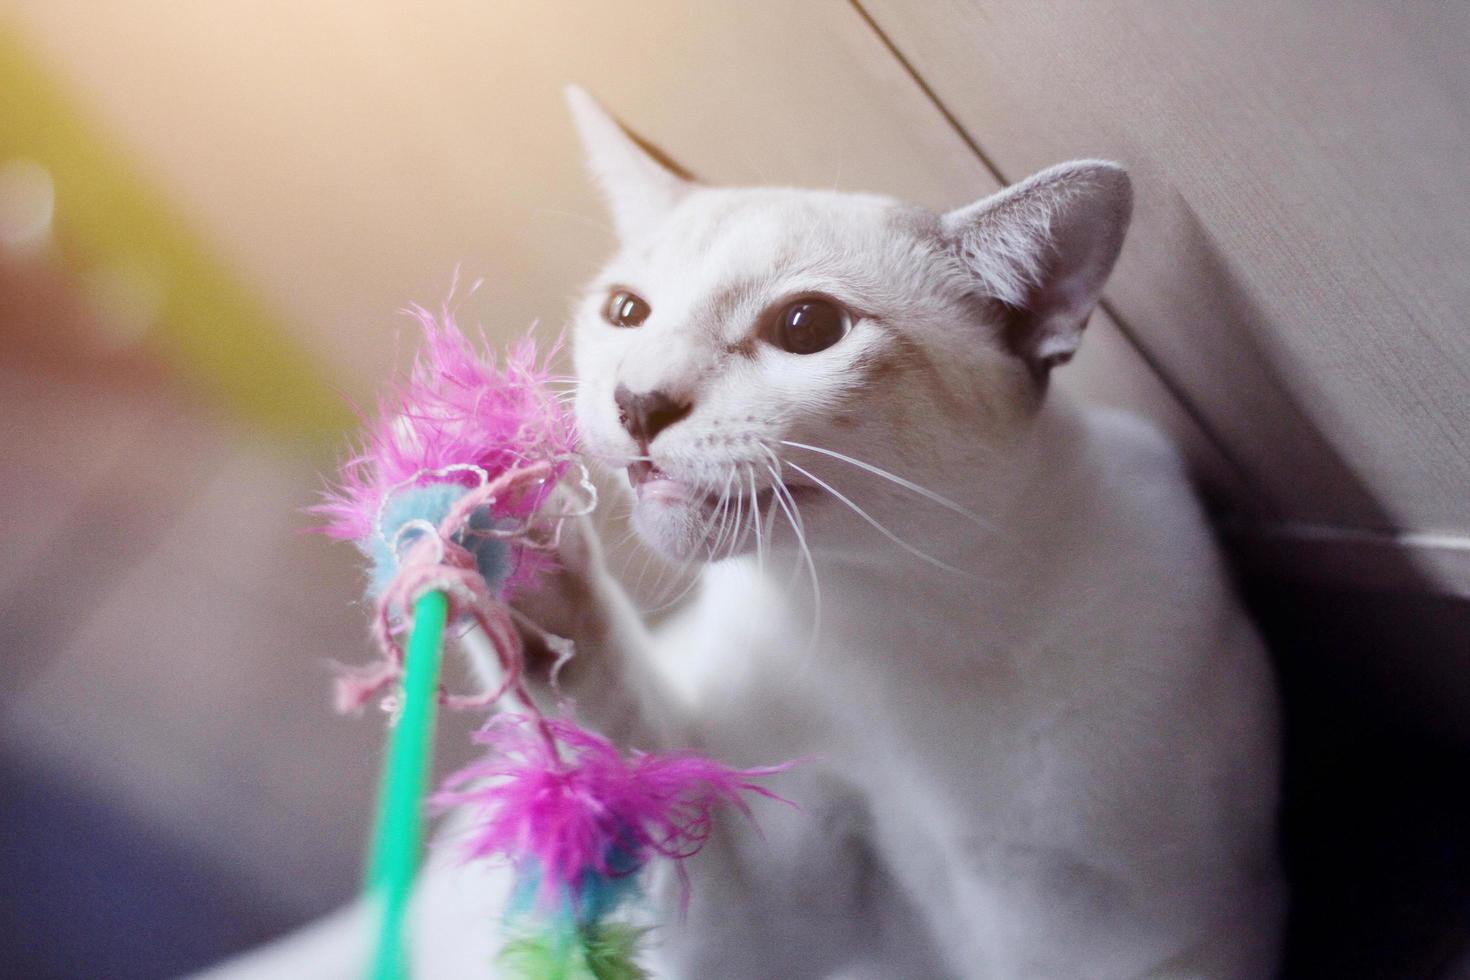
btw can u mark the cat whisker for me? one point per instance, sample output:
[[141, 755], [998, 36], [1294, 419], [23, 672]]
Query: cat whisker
[[717, 546], [724, 508], [916, 552], [771, 521], [662, 585], [693, 575], [737, 526], [627, 535], [648, 560], [718, 516], [720, 513], [755, 522], [894, 478], [782, 496]]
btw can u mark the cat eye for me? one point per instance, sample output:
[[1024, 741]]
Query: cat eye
[[625, 309], [810, 325]]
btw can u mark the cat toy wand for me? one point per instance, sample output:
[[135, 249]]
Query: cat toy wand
[[448, 578], [458, 498], [442, 499], [400, 825]]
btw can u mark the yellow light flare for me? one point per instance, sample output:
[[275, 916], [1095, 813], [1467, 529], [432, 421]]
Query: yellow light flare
[[102, 217]]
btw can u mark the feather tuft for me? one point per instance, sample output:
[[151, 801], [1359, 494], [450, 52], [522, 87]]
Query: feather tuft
[[602, 952], [568, 809], [457, 408]]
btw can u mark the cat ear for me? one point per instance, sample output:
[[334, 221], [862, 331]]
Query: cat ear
[[640, 183], [1044, 248]]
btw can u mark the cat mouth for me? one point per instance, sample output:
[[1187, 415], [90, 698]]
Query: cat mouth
[[653, 484]]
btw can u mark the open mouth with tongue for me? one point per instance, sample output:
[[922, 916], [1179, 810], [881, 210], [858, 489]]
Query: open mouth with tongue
[[652, 483]]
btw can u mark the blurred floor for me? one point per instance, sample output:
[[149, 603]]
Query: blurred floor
[[90, 892], [175, 782]]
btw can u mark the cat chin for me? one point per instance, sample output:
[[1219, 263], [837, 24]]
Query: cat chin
[[680, 531]]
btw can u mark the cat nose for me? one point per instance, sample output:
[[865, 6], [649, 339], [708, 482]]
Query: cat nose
[[648, 414]]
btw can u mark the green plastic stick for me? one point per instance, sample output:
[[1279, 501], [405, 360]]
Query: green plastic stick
[[400, 830]]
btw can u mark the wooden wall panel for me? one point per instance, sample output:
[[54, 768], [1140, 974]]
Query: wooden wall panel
[[1300, 260]]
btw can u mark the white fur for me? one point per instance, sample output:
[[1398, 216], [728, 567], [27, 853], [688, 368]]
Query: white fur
[[1046, 750]]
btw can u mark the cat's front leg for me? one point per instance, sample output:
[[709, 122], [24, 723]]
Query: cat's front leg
[[608, 678]]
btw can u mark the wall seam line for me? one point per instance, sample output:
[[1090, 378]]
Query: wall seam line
[[1186, 404]]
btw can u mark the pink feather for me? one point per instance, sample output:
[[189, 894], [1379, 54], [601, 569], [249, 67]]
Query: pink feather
[[458, 406], [571, 801]]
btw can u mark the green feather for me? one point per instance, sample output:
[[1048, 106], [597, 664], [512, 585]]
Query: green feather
[[608, 952], [612, 952]]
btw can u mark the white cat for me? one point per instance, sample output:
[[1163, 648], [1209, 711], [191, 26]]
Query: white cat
[[1040, 734]]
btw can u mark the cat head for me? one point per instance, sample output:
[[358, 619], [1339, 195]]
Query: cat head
[[742, 340]]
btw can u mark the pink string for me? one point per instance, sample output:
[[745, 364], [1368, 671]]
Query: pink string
[[439, 562]]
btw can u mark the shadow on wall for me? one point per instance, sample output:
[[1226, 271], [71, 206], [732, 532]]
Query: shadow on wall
[[1376, 684], [165, 631], [1233, 327]]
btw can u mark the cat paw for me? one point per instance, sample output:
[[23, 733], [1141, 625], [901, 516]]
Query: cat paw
[[562, 611]]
